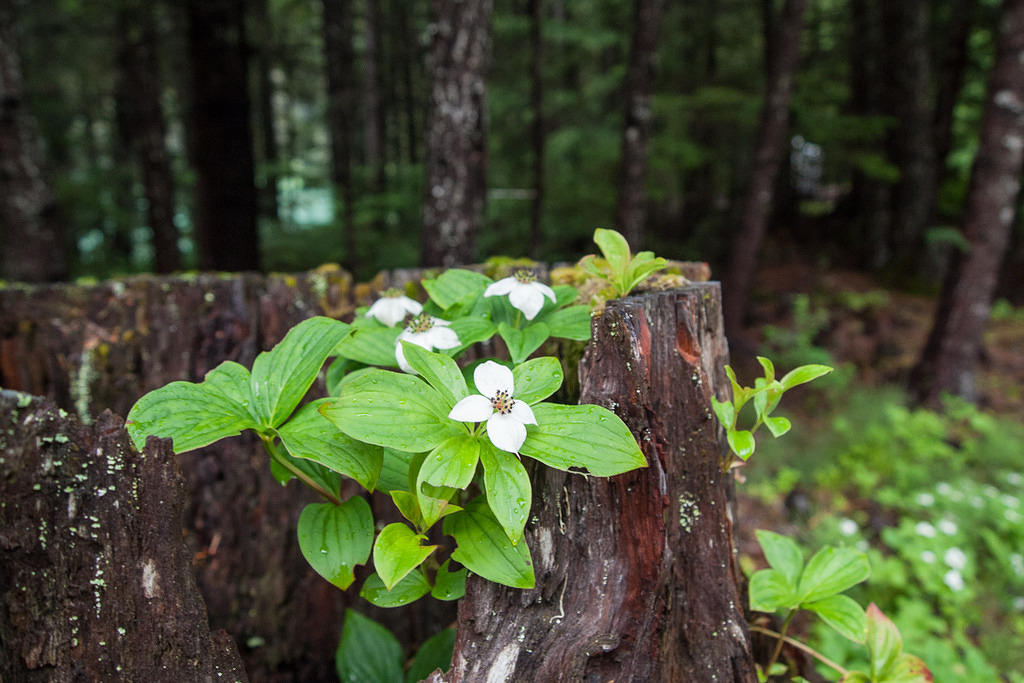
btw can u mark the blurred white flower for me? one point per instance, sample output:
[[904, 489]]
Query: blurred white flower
[[392, 307], [925, 499], [928, 557], [1017, 563], [1011, 515], [427, 332], [1010, 501], [848, 527], [925, 529], [506, 416], [1018, 603], [947, 526], [524, 292], [955, 558], [943, 489], [1014, 478], [954, 580]]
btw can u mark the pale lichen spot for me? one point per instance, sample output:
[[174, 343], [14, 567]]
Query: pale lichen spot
[[150, 580]]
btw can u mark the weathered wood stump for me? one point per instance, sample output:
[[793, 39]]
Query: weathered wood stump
[[96, 582], [636, 575]]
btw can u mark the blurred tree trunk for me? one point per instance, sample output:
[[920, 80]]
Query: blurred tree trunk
[[270, 157], [953, 349], [32, 249], [220, 135], [537, 137], [770, 146], [456, 161], [373, 113], [337, 28], [407, 54], [143, 127], [636, 132], [909, 100]]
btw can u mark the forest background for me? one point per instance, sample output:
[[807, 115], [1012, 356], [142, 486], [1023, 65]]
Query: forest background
[[284, 134]]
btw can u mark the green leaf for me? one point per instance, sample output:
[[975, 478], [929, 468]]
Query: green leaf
[[769, 368], [643, 266], [509, 493], [585, 436], [411, 588], [282, 376], [392, 410], [394, 473], [537, 378], [883, 641], [440, 371], [777, 425], [371, 343], [336, 538], [449, 585], [564, 295], [470, 330], [841, 613], [485, 550], [570, 323], [831, 571], [907, 669], [327, 478], [725, 412], [397, 552], [740, 395], [782, 553], [435, 503], [434, 653], [803, 374], [311, 436], [367, 653], [770, 590], [455, 285], [741, 442], [337, 371], [453, 463], [194, 415], [615, 249], [408, 506], [521, 343]]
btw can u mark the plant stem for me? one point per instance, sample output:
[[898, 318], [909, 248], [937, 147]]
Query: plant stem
[[782, 639], [282, 460], [797, 644]]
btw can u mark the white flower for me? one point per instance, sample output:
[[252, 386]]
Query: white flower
[[392, 307], [1010, 501], [1018, 603], [927, 556], [1014, 478], [955, 558], [925, 499], [847, 527], [925, 529], [524, 292], [954, 580], [506, 417], [944, 488], [427, 332], [1017, 563], [947, 526]]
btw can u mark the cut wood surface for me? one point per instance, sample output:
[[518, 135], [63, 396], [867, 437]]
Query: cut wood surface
[[96, 581], [636, 575]]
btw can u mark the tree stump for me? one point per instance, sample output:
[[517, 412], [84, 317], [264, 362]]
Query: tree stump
[[636, 575], [96, 579]]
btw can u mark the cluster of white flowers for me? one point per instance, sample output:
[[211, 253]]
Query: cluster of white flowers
[[947, 526], [954, 579], [925, 499], [524, 292], [848, 527], [925, 529]]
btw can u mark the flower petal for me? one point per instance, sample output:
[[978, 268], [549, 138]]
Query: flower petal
[[544, 289], [503, 286], [442, 338], [387, 311], [400, 357], [506, 432], [475, 408], [522, 412], [411, 305], [491, 377], [527, 299]]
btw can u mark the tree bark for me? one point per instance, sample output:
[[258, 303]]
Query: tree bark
[[537, 135], [953, 349], [270, 157], [456, 161], [407, 54], [32, 249], [637, 577], [145, 128], [770, 145], [909, 100], [226, 203], [636, 132], [338, 55], [96, 579]]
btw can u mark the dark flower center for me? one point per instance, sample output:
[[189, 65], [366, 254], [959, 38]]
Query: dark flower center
[[502, 402], [420, 324]]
